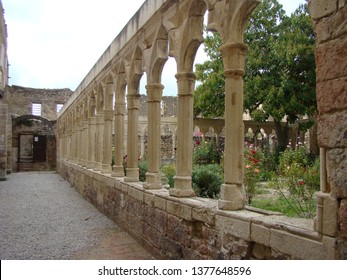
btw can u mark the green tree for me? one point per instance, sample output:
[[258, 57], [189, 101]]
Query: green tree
[[280, 69]]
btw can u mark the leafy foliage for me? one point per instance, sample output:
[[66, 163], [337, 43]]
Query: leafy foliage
[[169, 171], [207, 153], [207, 180], [280, 69]]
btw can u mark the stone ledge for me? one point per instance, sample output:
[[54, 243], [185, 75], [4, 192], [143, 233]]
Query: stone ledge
[[293, 237]]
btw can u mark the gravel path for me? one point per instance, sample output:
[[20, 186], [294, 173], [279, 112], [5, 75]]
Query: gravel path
[[43, 217]]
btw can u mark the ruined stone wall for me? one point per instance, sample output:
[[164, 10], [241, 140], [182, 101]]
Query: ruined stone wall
[[3, 139], [20, 100], [168, 106], [330, 24]]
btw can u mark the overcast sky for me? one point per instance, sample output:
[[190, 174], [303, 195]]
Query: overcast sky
[[54, 43]]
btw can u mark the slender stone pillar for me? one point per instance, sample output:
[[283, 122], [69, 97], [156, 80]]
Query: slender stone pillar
[[154, 96], [107, 150], [99, 142], [85, 139], [119, 112], [184, 163], [232, 195], [132, 138], [91, 142]]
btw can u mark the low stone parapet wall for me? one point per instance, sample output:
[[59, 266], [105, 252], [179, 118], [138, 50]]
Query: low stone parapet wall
[[194, 228]]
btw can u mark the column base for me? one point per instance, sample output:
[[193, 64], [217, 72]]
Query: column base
[[106, 169], [97, 166], [117, 171], [183, 187], [132, 175], [152, 181], [232, 197]]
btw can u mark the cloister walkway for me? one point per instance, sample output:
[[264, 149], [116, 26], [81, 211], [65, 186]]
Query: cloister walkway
[[43, 217]]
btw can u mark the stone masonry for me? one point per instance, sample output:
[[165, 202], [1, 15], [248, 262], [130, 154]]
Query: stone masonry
[[173, 223], [330, 24]]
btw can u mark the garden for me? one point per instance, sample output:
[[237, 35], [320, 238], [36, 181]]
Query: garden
[[283, 182]]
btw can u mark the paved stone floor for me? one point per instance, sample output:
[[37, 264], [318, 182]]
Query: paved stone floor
[[43, 217]]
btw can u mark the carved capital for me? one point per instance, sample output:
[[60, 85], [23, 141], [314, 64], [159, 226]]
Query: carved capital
[[234, 58], [185, 83], [154, 92]]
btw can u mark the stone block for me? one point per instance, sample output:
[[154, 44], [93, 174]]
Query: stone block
[[332, 130], [331, 27], [296, 246], [136, 193], [336, 170], [260, 234], [327, 217], [332, 95], [159, 220], [343, 218], [148, 198], [179, 210], [179, 230], [331, 60], [322, 8], [205, 215], [261, 252], [160, 202], [235, 227]]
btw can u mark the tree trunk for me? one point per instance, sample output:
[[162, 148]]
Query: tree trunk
[[282, 135]]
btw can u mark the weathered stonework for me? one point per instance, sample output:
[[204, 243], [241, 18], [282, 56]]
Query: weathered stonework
[[330, 24], [174, 224], [194, 228]]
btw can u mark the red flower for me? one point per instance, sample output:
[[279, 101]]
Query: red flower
[[301, 182], [253, 152]]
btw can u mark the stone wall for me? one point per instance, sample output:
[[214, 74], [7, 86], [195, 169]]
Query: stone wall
[[20, 100], [330, 24], [194, 228], [3, 139]]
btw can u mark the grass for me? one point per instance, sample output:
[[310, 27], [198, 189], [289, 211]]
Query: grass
[[266, 199]]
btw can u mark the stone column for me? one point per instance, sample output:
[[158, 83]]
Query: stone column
[[91, 143], [107, 150], [184, 163], [232, 195], [132, 138], [99, 142], [154, 96], [85, 143], [119, 112]]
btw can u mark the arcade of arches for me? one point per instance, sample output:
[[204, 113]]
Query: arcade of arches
[[174, 223]]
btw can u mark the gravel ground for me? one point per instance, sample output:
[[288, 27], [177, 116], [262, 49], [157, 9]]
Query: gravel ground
[[42, 217]]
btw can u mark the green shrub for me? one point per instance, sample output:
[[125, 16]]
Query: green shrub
[[207, 152], [170, 172], [207, 179], [143, 168]]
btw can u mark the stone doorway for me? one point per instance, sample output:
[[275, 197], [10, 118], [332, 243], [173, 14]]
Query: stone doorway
[[33, 144]]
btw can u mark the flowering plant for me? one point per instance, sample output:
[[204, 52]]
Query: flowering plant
[[252, 159], [298, 180]]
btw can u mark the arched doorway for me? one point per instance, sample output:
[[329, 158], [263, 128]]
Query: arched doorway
[[33, 144]]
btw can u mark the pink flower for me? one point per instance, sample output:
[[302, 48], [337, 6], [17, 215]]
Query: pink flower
[[247, 166], [256, 170]]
